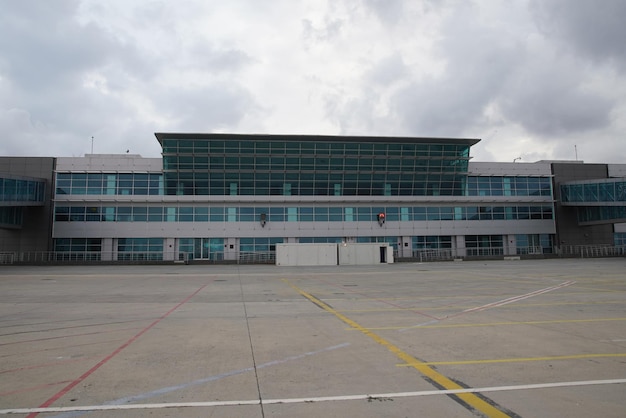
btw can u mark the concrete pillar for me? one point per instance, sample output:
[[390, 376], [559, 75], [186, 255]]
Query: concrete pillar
[[107, 249], [511, 245], [169, 249], [405, 249], [231, 248], [460, 246]]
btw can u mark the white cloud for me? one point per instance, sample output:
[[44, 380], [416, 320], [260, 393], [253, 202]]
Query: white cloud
[[532, 78]]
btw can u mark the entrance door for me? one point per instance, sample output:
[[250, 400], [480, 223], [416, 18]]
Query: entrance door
[[208, 248], [383, 254]]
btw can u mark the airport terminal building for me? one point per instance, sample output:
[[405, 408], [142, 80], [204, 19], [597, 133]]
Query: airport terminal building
[[233, 197]]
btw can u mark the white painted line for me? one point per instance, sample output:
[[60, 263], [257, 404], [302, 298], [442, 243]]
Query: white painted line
[[514, 299], [310, 399], [494, 304]]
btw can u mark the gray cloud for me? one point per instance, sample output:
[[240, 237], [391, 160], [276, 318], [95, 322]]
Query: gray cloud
[[65, 81], [593, 28], [478, 65], [545, 73], [387, 70], [388, 11], [204, 109], [550, 101], [328, 31]]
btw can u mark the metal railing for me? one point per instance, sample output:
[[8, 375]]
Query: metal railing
[[433, 255], [484, 251], [591, 251], [532, 250], [258, 257], [269, 257], [7, 258]]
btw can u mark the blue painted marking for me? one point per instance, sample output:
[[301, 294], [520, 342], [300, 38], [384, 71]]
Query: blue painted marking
[[162, 391]]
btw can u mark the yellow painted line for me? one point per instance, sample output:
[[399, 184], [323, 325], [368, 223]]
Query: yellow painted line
[[469, 398], [493, 324], [517, 360]]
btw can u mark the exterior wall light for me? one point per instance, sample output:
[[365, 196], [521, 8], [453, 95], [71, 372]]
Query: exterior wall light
[[381, 218], [263, 220]]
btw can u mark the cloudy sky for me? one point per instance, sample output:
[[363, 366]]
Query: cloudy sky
[[537, 79]]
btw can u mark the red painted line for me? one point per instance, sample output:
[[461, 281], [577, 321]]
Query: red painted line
[[13, 392], [110, 356]]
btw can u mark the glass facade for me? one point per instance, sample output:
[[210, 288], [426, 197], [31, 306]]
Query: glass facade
[[142, 184], [594, 191], [297, 213], [11, 216], [78, 248], [140, 249], [109, 183], [240, 181], [21, 190], [590, 214], [533, 243], [432, 242], [312, 166], [509, 186], [484, 245]]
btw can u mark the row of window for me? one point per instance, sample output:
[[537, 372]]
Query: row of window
[[333, 164], [12, 216], [315, 184], [18, 190], [601, 213], [109, 183], [213, 248], [127, 248], [295, 214], [614, 191], [508, 186], [281, 183], [318, 148]]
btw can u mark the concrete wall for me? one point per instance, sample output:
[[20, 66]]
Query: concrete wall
[[35, 233], [364, 254], [298, 229], [568, 231], [333, 254], [306, 254], [541, 168], [110, 162]]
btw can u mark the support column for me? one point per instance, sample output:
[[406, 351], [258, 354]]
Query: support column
[[460, 246], [169, 249], [106, 249], [406, 247], [511, 245]]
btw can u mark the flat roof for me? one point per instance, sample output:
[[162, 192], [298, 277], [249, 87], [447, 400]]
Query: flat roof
[[310, 138]]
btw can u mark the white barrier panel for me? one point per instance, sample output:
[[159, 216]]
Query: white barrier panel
[[365, 253], [333, 254], [306, 254]]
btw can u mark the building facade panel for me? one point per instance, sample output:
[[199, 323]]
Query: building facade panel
[[26, 209], [224, 197]]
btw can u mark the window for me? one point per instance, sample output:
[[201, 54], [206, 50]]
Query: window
[[78, 249], [140, 249], [484, 245]]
